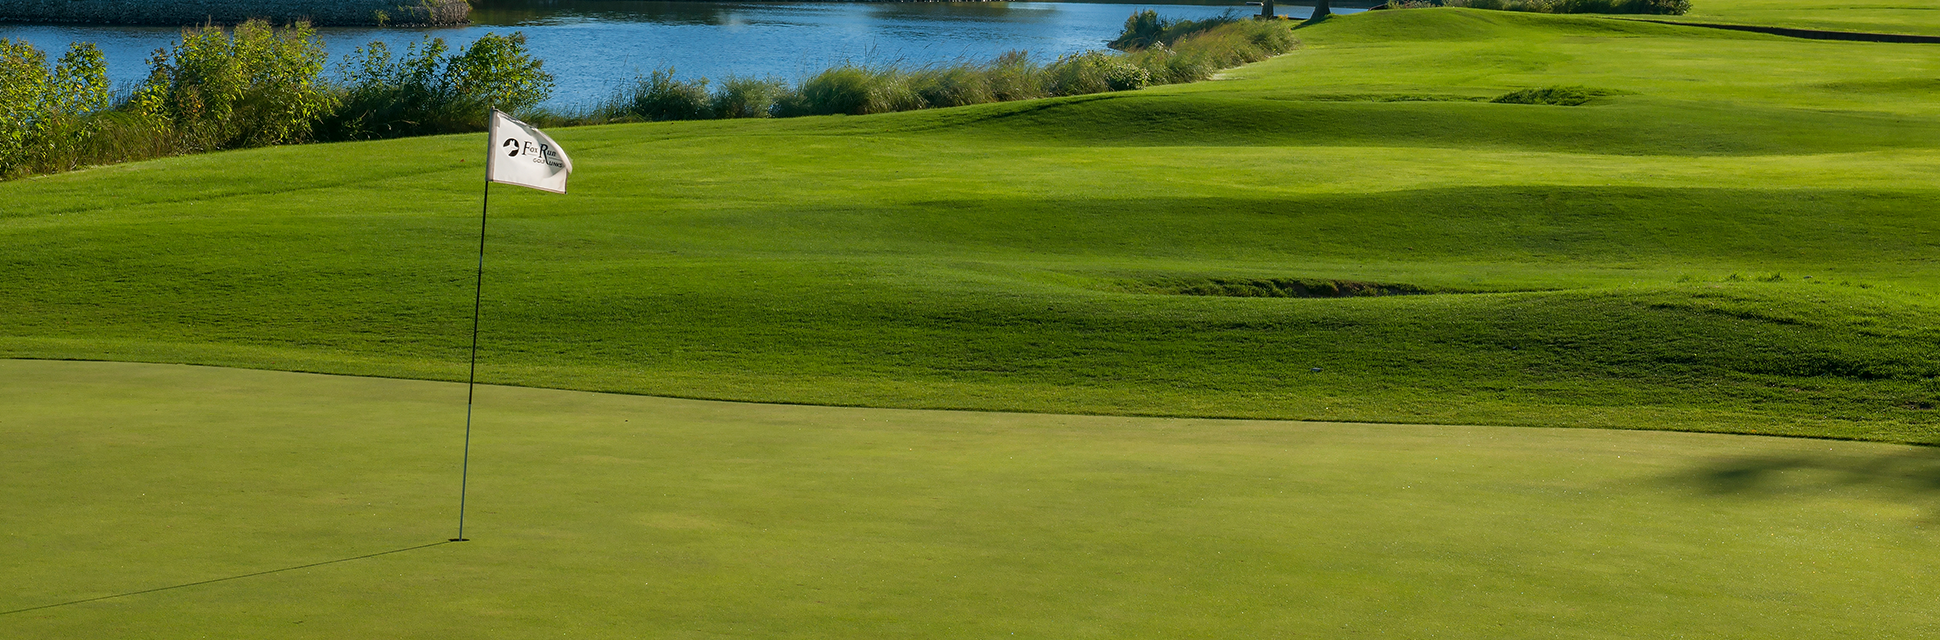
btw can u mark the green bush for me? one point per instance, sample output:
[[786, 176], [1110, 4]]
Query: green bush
[[47, 115], [429, 91], [255, 86], [1146, 29], [1141, 30]]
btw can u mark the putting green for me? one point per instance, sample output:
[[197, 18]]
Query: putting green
[[597, 516]]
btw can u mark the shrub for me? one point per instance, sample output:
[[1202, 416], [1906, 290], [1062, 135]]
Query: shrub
[[426, 91], [1146, 29], [47, 115], [255, 86], [1141, 30], [501, 72]]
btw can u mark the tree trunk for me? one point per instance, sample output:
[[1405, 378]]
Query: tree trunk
[[1321, 10], [1266, 8]]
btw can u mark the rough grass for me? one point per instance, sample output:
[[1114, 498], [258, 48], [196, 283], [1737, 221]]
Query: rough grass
[[974, 257], [596, 516]]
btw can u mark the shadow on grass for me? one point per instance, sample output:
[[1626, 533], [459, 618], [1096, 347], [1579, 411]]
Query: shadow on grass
[[215, 580], [1909, 476]]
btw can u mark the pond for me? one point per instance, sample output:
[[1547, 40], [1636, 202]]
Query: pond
[[592, 47]]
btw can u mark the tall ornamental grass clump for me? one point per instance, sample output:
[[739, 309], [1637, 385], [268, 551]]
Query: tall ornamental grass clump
[[1196, 54], [661, 96], [431, 89], [746, 98], [48, 114], [1644, 7]]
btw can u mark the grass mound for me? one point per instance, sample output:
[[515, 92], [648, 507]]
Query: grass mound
[[1270, 287], [1558, 96]]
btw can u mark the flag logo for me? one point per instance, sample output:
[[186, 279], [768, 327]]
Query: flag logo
[[523, 155]]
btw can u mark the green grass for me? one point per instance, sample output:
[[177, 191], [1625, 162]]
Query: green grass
[[1607, 265], [596, 516], [1876, 16]]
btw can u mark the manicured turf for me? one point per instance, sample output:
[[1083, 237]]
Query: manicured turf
[[608, 516], [1739, 237], [1877, 16]]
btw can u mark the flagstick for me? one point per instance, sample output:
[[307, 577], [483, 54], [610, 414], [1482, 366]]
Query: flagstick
[[478, 299]]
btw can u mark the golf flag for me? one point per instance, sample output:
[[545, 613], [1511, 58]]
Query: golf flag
[[525, 156]]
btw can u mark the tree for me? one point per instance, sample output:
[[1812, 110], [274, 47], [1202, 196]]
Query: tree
[[1321, 10]]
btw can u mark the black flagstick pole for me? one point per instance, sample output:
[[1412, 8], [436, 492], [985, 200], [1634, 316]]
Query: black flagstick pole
[[478, 299]]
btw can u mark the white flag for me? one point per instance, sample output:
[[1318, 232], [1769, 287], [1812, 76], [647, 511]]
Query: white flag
[[525, 156]]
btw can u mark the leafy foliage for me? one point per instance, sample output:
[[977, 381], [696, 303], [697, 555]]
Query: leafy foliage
[[251, 87], [1146, 29], [259, 85], [429, 90], [44, 113]]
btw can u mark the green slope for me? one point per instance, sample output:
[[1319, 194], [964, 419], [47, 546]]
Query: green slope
[[600, 516], [1738, 237], [1875, 16]]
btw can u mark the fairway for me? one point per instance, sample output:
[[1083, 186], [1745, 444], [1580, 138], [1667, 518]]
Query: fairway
[[597, 516], [1735, 236]]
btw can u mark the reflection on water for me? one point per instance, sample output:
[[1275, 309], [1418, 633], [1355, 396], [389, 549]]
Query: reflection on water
[[592, 47]]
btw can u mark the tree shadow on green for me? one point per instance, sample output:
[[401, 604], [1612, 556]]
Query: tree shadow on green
[[1910, 476]]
